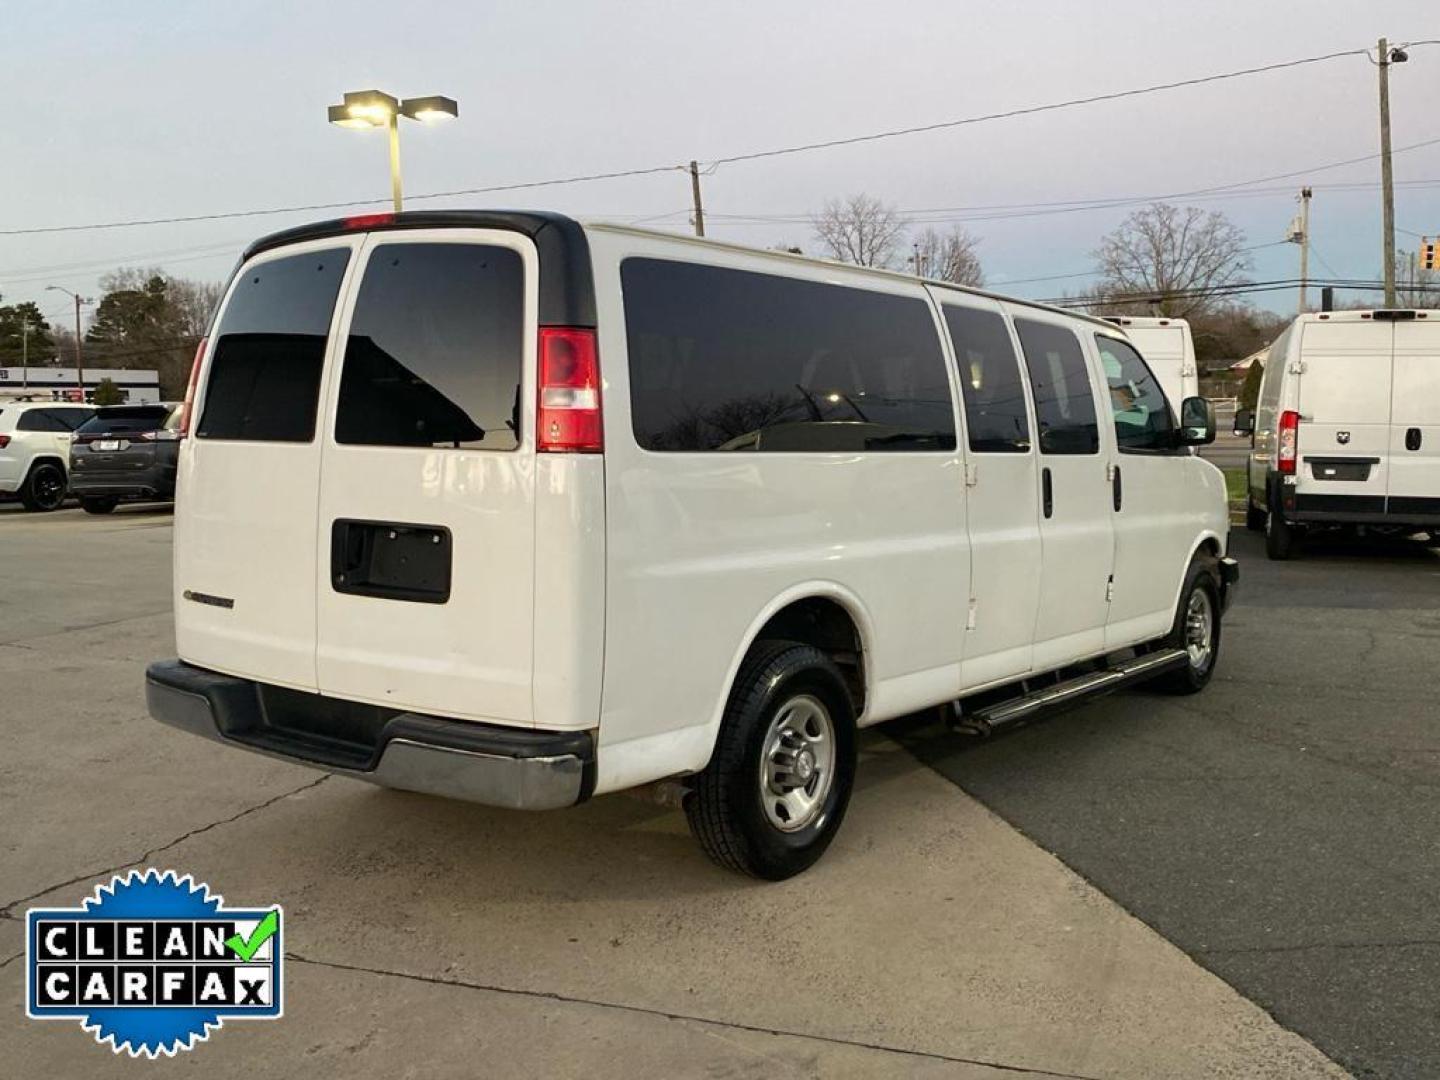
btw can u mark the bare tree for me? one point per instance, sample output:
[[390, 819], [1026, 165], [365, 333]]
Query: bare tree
[[195, 303], [1171, 258], [948, 256], [860, 229]]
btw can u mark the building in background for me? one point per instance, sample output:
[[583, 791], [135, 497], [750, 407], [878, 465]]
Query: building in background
[[139, 385]]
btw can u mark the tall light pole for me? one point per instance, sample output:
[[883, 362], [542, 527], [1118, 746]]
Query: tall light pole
[[79, 367], [375, 108], [1388, 56]]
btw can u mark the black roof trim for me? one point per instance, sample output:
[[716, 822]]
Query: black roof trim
[[567, 285]]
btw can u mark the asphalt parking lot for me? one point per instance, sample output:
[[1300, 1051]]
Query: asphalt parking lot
[[1278, 829]]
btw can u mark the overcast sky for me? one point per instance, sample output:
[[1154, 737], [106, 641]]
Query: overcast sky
[[144, 109]]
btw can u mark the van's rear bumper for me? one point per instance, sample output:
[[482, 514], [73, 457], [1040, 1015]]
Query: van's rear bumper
[[485, 763]]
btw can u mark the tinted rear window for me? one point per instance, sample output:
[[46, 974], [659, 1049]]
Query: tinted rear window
[[270, 348], [726, 359], [119, 421], [435, 349]]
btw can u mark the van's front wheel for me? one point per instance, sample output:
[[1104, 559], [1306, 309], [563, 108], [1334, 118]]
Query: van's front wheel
[[778, 783], [1196, 629]]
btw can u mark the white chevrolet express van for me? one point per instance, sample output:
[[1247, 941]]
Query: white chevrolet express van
[[1168, 348], [500, 507], [1347, 427]]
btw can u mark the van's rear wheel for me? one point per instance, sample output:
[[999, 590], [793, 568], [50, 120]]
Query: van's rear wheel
[[1196, 629], [778, 783], [1281, 538], [1254, 516]]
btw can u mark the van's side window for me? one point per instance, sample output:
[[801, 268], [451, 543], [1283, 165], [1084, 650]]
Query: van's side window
[[1064, 400], [1142, 415], [435, 349], [990, 381], [726, 359], [264, 380]]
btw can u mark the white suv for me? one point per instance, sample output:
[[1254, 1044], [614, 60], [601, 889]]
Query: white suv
[[506, 508], [34, 447]]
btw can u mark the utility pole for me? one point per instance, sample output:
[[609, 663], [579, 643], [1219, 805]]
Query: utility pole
[[79, 367], [1304, 244], [1387, 179], [695, 194], [24, 354]]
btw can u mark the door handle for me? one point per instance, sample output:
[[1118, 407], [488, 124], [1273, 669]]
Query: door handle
[[1412, 439], [1116, 488], [1047, 492]]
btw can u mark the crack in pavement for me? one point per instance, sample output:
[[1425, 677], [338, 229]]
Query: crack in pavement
[[9, 908], [11, 959], [18, 642], [549, 995]]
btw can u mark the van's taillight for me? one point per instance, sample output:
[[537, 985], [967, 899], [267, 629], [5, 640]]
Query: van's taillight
[[4, 441], [568, 413], [1289, 437], [190, 388]]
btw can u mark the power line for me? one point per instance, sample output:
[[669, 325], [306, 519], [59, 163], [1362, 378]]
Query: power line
[[1219, 292], [1033, 109], [715, 162], [186, 219]]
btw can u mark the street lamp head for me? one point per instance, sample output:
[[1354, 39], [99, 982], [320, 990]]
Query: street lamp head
[[340, 115], [430, 109], [364, 108], [1398, 56]]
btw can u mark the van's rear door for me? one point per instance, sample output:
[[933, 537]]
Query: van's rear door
[[1415, 420], [249, 476], [1344, 405], [426, 535]]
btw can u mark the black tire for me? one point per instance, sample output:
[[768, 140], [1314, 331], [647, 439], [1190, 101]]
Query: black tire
[[1202, 580], [98, 505], [1281, 538], [730, 807], [1254, 517], [44, 487]]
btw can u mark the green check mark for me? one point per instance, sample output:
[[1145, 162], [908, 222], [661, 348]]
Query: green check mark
[[245, 948]]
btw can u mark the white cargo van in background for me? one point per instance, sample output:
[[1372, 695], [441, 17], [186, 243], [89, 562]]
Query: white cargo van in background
[[510, 509], [1347, 428], [1168, 348]]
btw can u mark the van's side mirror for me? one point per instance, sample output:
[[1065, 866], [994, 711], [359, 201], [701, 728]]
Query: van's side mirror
[[1197, 422], [1244, 422]]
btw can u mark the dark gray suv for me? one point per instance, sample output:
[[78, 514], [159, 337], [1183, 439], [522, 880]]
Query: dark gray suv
[[125, 453]]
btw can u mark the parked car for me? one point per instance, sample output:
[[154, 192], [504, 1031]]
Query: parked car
[[1168, 347], [561, 510], [34, 444], [125, 453], [1347, 427]]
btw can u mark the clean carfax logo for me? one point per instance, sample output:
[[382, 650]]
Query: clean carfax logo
[[152, 962]]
